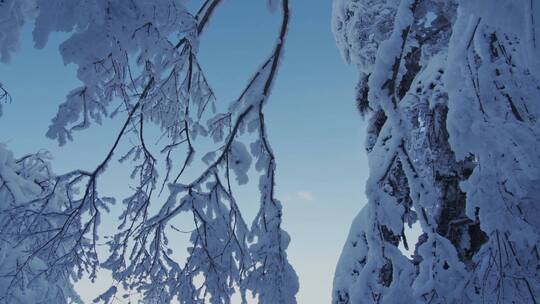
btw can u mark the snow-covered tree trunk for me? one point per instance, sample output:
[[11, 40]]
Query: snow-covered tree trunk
[[451, 89]]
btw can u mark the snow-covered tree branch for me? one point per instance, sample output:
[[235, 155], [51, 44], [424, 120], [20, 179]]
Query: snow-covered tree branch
[[138, 59], [31, 203]]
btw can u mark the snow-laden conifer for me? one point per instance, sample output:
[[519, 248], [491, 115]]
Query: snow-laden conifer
[[451, 91]]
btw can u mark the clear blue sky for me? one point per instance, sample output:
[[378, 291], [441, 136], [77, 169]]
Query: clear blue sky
[[315, 130]]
